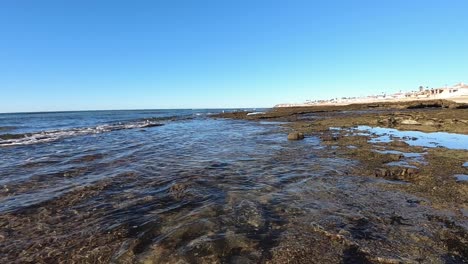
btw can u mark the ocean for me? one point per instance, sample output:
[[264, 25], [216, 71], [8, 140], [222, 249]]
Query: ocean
[[115, 185], [182, 186]]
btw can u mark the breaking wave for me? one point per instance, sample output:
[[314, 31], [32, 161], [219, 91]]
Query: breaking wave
[[52, 135]]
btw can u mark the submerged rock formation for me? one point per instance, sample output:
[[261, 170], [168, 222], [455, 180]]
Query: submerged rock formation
[[295, 136]]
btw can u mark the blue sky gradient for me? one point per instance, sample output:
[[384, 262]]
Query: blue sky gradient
[[82, 55]]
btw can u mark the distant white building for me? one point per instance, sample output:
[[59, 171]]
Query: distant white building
[[457, 90]]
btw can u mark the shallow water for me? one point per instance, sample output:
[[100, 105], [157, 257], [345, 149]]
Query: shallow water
[[462, 177], [188, 172], [417, 138], [195, 188], [405, 154], [409, 157]]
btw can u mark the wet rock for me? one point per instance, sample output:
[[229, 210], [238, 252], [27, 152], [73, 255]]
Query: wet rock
[[201, 248], [396, 173], [234, 115], [306, 247], [248, 215], [413, 201], [194, 238], [295, 136], [429, 123], [398, 220], [430, 104], [234, 240], [390, 121], [410, 122], [240, 260], [152, 125], [410, 138], [399, 143], [240, 248], [329, 137], [218, 165], [89, 158], [363, 228], [395, 157], [410, 171], [12, 136], [353, 254], [178, 190]]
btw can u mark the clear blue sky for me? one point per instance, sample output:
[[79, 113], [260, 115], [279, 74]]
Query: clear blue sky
[[70, 55]]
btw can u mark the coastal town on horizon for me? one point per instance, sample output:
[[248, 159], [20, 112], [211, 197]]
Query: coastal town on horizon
[[457, 93]]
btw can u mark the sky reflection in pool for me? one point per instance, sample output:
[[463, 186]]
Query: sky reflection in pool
[[461, 177], [417, 138]]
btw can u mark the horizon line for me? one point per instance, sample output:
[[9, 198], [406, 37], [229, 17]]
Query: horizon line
[[131, 109]]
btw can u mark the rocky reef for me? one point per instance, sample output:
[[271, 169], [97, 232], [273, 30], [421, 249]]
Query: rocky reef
[[416, 209]]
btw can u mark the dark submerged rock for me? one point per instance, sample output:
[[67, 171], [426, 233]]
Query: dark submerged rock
[[152, 125], [328, 137], [399, 143], [178, 191], [12, 136], [396, 173], [248, 215], [295, 136]]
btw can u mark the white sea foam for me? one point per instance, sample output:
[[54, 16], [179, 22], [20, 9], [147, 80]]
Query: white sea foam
[[256, 113], [52, 135]]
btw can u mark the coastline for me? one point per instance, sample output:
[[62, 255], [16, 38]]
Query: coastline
[[459, 99], [428, 115], [435, 175], [172, 188], [457, 93]]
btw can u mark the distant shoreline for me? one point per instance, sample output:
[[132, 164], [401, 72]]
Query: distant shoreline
[[457, 93], [460, 99]]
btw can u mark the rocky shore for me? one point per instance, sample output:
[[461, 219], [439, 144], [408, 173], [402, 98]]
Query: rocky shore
[[429, 225], [376, 183]]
